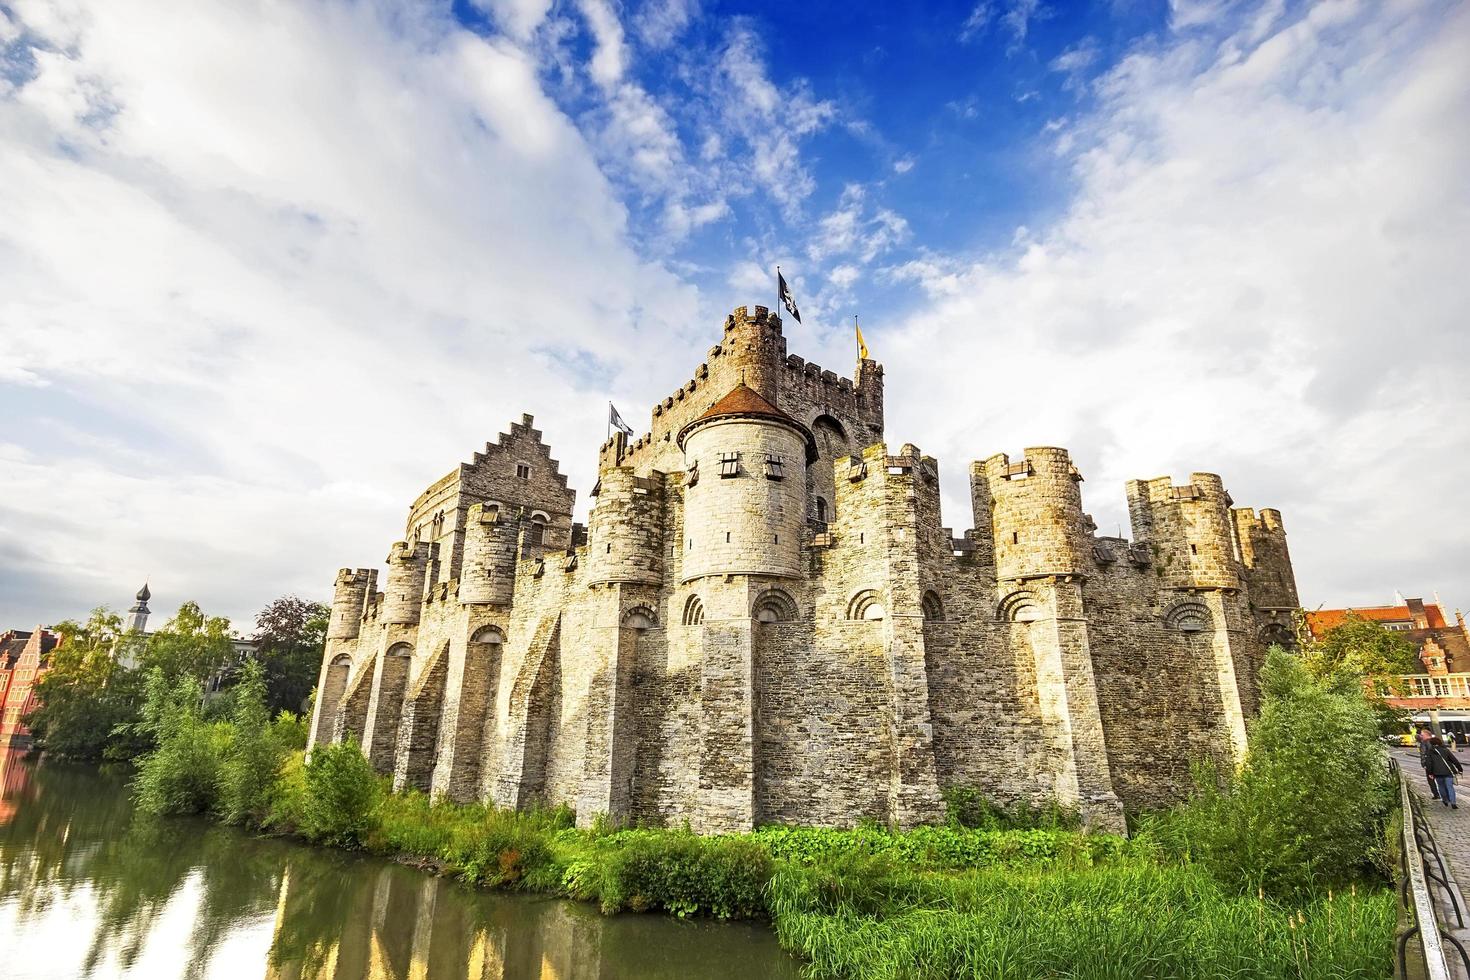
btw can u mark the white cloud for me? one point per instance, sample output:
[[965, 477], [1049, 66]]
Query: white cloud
[[1076, 61], [610, 56], [769, 120], [660, 22], [903, 165], [272, 256], [1260, 274], [517, 18], [854, 228]]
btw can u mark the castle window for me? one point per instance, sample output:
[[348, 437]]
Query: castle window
[[729, 464], [821, 509], [537, 533], [932, 607], [865, 605], [1015, 537], [693, 611], [1188, 617], [774, 466], [727, 537], [774, 606], [523, 471], [639, 618], [693, 474]]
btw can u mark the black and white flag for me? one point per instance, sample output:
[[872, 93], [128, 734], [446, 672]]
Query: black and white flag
[[616, 421], [786, 297]]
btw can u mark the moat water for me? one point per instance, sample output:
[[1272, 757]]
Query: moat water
[[88, 888]]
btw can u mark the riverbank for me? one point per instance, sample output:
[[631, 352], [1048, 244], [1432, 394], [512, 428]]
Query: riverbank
[[936, 902]]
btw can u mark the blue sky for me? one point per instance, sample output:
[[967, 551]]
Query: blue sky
[[268, 269]]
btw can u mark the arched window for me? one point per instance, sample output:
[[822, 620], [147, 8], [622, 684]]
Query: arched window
[[932, 607], [639, 618], [1188, 617], [1020, 607], [400, 650], [867, 604], [693, 611], [820, 510], [492, 635], [774, 606]]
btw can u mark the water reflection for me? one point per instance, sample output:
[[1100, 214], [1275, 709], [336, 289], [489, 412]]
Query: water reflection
[[87, 890]]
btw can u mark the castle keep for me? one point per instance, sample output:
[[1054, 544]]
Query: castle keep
[[764, 621]]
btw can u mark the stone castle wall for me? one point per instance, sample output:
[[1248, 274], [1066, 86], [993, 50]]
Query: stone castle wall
[[805, 644]]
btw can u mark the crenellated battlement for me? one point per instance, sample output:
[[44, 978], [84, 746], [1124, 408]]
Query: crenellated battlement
[[1188, 527]]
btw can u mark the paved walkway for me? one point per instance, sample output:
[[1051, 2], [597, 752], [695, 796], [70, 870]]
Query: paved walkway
[[1452, 830]]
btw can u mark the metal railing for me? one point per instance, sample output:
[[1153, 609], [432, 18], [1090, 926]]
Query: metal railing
[[1423, 862]]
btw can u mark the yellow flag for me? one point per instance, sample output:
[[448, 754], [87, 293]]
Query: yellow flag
[[862, 347]]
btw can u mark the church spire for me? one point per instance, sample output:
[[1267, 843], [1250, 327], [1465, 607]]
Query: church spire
[[138, 615]]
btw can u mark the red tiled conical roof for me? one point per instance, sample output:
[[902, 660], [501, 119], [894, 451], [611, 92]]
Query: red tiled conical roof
[[744, 401]]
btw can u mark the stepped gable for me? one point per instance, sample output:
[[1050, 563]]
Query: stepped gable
[[744, 401]]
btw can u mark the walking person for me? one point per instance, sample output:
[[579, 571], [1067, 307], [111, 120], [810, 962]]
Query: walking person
[[1442, 766], [1424, 737]]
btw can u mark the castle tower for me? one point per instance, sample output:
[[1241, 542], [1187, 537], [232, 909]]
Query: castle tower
[[1036, 513], [1189, 528], [489, 569], [403, 596], [756, 349], [1262, 545], [138, 615], [625, 530], [745, 493], [349, 595]]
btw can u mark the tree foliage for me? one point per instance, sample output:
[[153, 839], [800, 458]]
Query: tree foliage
[[190, 645], [1309, 801], [86, 696], [290, 636], [1359, 648], [91, 699]]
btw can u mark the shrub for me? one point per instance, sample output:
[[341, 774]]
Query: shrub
[[256, 750], [942, 848], [1308, 807], [183, 774], [683, 873], [340, 795], [966, 806]]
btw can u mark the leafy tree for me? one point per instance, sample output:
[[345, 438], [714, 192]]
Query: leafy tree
[[183, 774], [191, 645], [86, 699], [1359, 647], [1307, 809], [290, 636]]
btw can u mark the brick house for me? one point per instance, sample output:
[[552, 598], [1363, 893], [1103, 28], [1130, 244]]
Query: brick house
[[23, 655]]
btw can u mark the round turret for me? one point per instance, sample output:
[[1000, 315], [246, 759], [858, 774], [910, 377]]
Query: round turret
[[745, 497], [489, 569], [625, 530], [348, 596], [404, 594], [1037, 518]]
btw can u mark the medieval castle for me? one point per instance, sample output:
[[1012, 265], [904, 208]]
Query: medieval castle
[[764, 621]]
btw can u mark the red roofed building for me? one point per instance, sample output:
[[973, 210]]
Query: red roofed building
[[23, 655], [1441, 695]]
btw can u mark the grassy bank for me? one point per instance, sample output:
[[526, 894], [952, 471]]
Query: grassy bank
[[1254, 877]]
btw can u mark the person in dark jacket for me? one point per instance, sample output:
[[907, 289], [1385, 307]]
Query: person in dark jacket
[[1442, 766], [1424, 737]]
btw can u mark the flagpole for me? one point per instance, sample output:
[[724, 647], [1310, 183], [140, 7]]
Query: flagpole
[[777, 307]]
